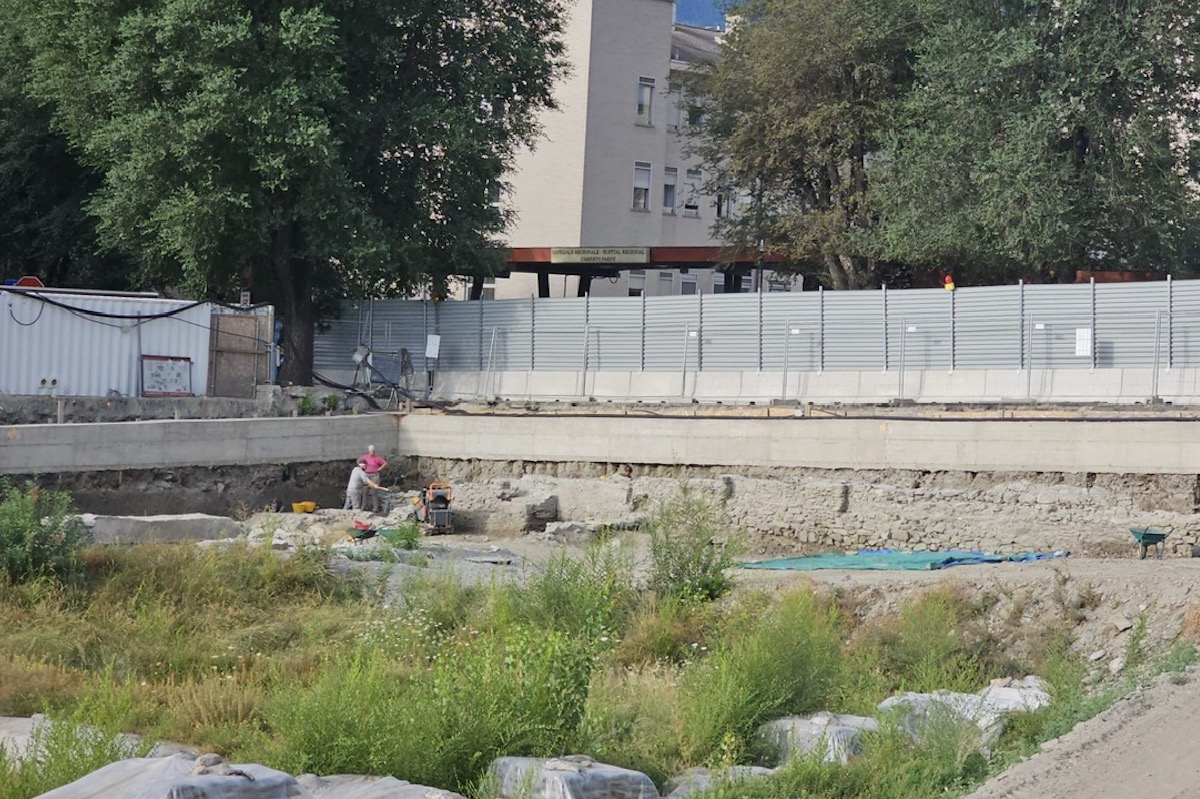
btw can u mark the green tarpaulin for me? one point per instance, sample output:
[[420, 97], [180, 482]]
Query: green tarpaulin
[[887, 559]]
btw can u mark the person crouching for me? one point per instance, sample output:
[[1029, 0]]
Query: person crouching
[[359, 489]]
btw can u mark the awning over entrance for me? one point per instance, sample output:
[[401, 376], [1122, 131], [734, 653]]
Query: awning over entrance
[[588, 262]]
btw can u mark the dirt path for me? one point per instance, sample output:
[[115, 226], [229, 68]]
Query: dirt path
[[1144, 746]]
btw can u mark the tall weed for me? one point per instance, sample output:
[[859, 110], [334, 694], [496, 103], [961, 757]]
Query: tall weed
[[436, 722], [786, 664], [690, 548], [40, 535]]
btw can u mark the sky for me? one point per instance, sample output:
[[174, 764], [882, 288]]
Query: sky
[[698, 12]]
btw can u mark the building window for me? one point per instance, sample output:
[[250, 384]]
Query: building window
[[489, 288], [687, 285], [695, 117], [722, 206], [494, 193], [718, 282], [635, 292], [637, 282], [675, 108], [666, 283], [691, 205], [642, 174], [645, 101], [670, 178]]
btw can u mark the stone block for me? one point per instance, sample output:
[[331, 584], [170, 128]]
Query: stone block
[[355, 786], [836, 737]]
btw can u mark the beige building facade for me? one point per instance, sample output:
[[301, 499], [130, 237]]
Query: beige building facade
[[611, 169]]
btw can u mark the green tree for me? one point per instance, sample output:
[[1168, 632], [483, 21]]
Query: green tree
[[44, 228], [1046, 137], [314, 148], [795, 112]]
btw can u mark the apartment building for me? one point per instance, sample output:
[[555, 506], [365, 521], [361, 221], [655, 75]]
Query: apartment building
[[609, 203]]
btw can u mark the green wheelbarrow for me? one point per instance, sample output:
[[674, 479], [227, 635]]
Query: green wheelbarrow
[[1147, 537]]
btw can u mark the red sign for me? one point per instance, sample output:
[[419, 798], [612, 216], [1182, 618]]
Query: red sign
[[31, 282]]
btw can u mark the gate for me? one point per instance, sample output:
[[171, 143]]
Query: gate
[[239, 354]]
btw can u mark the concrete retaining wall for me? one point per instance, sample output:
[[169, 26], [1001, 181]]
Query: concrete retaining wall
[[1121, 447], [48, 448]]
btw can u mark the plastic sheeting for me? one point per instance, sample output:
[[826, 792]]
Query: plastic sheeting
[[355, 786], [835, 737], [172, 778], [571, 777], [895, 560]]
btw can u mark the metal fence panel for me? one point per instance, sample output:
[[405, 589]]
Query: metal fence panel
[[731, 332], [988, 328], [1126, 317], [919, 329], [507, 335], [1181, 330], [559, 323], [669, 321], [854, 330], [1053, 314], [458, 325], [791, 332], [614, 334]]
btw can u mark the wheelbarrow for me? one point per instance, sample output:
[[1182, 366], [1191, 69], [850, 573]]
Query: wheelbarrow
[[1147, 537]]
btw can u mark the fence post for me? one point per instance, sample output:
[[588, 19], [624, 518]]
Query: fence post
[[1170, 322], [1154, 373], [787, 341], [760, 331], [900, 364], [953, 330], [480, 334], [642, 349], [1021, 323], [532, 331], [687, 334], [821, 332], [883, 290], [699, 330], [1093, 282]]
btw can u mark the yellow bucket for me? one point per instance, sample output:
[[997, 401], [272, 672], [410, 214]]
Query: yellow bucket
[[303, 507]]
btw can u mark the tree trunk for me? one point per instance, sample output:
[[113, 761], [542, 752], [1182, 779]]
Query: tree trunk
[[295, 276]]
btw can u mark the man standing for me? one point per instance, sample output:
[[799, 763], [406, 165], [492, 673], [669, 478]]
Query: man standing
[[359, 488], [372, 464]]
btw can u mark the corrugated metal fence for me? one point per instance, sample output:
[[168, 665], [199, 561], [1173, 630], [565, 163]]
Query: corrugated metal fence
[[1083, 326]]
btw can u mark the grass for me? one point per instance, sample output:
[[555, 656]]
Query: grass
[[276, 660]]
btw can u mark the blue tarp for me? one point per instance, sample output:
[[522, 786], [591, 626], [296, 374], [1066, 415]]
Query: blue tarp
[[892, 559]]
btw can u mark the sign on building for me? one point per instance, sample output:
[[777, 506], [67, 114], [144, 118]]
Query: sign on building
[[599, 255]]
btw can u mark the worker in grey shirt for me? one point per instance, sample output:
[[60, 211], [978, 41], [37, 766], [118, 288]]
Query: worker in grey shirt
[[356, 490]]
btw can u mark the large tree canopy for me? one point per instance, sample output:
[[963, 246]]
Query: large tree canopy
[[44, 227], [1048, 137], [794, 112], [1001, 137], [310, 147]]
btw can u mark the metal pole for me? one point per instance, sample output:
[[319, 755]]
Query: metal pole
[[900, 366], [953, 330], [883, 289], [1093, 347], [1170, 322], [642, 350], [1157, 347], [532, 330], [687, 334], [787, 341], [1021, 322], [1029, 363], [821, 342], [583, 362]]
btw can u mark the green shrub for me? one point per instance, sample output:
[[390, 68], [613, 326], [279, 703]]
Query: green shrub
[[687, 558], [590, 597], [438, 722], [784, 665], [40, 535], [406, 536]]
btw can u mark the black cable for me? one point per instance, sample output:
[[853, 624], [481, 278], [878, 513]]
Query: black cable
[[26, 324], [149, 317]]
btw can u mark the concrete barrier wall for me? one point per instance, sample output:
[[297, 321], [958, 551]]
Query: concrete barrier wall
[[1116, 386], [1132, 447], [47, 448], [1121, 447]]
